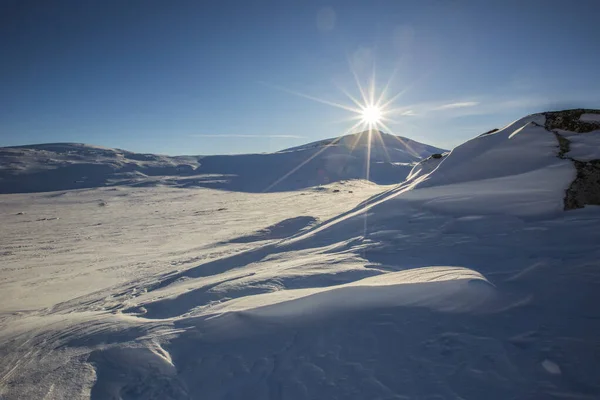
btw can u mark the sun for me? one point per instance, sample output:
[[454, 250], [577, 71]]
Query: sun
[[370, 112], [371, 115]]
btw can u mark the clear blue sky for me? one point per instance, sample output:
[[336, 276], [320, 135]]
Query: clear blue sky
[[203, 77]]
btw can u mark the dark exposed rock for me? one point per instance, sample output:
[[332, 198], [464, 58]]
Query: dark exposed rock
[[437, 155], [564, 146], [569, 120], [585, 189], [490, 131]]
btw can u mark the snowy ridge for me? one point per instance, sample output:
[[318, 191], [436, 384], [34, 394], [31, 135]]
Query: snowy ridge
[[448, 289], [426, 166], [392, 148], [520, 147], [515, 170], [332, 293], [66, 166]]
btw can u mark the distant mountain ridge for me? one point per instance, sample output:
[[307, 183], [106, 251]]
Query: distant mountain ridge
[[65, 166], [383, 145]]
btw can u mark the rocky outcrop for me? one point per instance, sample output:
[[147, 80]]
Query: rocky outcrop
[[489, 132], [569, 120], [564, 146], [585, 189]]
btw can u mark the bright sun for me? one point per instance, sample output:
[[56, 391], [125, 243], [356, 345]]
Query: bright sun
[[371, 115], [371, 112]]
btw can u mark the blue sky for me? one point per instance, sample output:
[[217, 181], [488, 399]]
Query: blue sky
[[200, 77]]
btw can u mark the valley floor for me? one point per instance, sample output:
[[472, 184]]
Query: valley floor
[[322, 293]]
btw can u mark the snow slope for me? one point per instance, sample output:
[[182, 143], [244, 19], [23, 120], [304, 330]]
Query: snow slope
[[467, 281], [512, 171], [65, 166], [391, 148]]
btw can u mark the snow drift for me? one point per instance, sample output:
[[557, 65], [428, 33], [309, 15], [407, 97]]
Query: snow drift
[[346, 304], [449, 289]]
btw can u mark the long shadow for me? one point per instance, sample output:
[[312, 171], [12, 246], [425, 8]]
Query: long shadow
[[280, 230]]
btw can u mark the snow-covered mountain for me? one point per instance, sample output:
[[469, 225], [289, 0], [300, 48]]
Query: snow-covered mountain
[[63, 166], [384, 147], [477, 277]]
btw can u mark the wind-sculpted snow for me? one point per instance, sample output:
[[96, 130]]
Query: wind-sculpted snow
[[448, 289], [426, 166], [521, 147], [467, 281]]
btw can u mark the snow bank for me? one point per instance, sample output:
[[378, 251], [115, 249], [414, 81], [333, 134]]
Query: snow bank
[[520, 147], [514, 171], [532, 193], [425, 167], [590, 118], [449, 289], [584, 146]]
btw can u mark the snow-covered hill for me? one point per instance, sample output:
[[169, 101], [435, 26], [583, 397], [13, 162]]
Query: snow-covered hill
[[64, 166], [475, 278], [384, 147]]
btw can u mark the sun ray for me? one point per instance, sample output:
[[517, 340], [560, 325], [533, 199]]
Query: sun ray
[[389, 120], [357, 138], [347, 119], [369, 140], [405, 121], [406, 144], [385, 89], [383, 146], [371, 112], [349, 96], [309, 159], [403, 91], [357, 81], [400, 111], [313, 98], [372, 90], [394, 98]]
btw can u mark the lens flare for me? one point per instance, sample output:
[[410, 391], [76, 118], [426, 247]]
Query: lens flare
[[370, 111]]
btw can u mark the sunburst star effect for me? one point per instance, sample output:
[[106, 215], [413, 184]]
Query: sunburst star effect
[[371, 114]]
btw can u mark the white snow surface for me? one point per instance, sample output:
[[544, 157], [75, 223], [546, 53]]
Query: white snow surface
[[466, 281], [65, 166], [523, 146], [383, 146], [589, 117], [424, 167], [584, 146], [395, 288]]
